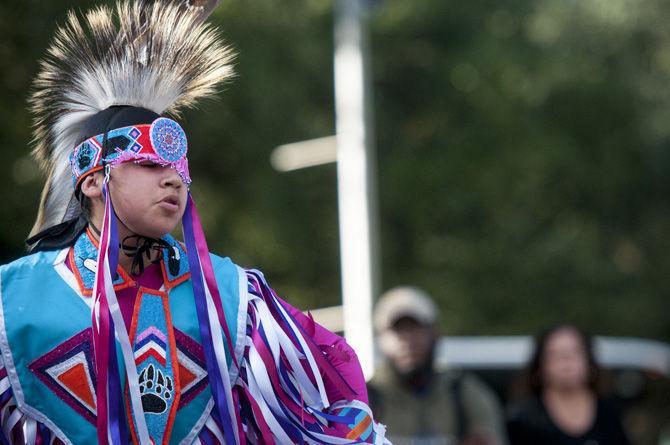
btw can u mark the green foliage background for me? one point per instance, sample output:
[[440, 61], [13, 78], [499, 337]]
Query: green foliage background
[[523, 154]]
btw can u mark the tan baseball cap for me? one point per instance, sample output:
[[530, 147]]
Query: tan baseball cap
[[404, 301]]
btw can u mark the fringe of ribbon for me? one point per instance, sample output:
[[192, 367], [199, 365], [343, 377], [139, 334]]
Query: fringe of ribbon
[[281, 379], [280, 395], [17, 428]]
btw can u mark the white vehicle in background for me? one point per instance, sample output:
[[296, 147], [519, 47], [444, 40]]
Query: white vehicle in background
[[637, 372], [513, 352]]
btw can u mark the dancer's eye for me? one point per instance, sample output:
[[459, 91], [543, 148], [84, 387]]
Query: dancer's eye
[[148, 164]]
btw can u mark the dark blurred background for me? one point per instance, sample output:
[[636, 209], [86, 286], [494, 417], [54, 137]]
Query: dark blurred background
[[523, 154]]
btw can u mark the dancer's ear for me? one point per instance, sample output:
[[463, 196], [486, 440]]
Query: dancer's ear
[[92, 201], [91, 186]]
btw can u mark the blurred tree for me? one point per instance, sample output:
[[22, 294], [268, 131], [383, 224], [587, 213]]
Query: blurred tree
[[523, 146], [524, 161]]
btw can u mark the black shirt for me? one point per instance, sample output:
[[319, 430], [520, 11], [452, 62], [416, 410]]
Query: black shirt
[[529, 423]]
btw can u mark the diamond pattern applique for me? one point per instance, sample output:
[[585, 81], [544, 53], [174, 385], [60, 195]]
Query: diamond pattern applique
[[192, 367], [69, 371]]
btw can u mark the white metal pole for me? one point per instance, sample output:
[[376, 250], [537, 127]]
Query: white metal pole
[[356, 187]]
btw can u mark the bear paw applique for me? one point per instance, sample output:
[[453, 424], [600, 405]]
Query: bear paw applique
[[155, 389]]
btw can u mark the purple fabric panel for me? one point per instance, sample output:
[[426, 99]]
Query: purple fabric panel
[[338, 352], [151, 278]]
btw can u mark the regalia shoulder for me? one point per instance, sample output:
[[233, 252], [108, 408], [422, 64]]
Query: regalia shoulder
[[39, 260]]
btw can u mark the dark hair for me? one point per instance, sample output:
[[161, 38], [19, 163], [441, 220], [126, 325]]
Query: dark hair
[[534, 379]]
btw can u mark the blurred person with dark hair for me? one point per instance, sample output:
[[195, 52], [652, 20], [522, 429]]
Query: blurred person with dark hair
[[566, 406], [420, 404]]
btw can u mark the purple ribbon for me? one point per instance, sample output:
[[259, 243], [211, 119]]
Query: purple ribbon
[[117, 423], [218, 391]]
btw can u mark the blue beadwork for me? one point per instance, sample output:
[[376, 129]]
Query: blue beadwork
[[85, 250], [182, 259], [156, 361], [134, 133], [83, 158], [121, 139], [168, 139]]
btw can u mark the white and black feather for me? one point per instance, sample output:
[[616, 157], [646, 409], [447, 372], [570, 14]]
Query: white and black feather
[[156, 55]]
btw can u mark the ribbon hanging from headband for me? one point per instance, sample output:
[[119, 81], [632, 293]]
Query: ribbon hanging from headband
[[108, 324]]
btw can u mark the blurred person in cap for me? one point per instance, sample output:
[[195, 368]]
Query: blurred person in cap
[[420, 404], [113, 331]]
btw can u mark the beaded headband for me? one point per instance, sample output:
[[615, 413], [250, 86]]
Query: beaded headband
[[162, 142]]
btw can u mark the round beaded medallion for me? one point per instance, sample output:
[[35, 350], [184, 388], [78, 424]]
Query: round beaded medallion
[[168, 139]]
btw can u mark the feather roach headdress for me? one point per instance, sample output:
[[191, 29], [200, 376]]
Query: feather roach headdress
[[157, 55]]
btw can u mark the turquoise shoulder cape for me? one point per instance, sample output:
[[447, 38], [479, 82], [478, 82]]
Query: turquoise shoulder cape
[[46, 345]]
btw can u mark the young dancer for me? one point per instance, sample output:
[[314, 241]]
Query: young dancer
[[111, 330]]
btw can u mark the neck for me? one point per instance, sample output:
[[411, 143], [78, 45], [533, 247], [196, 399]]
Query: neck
[[129, 253], [127, 238]]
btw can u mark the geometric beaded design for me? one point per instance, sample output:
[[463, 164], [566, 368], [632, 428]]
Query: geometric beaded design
[[168, 139], [156, 359]]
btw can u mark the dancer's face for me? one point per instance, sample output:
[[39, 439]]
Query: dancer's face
[[148, 199]]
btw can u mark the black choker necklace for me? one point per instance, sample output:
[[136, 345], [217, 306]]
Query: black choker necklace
[[143, 248]]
